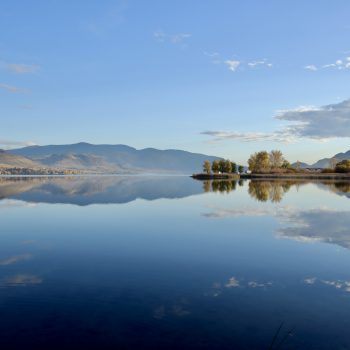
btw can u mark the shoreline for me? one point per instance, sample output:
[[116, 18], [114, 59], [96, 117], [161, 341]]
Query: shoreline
[[318, 176], [301, 176], [225, 176]]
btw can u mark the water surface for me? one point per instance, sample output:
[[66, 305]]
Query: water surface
[[173, 263]]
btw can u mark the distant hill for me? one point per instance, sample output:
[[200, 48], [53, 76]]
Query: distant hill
[[325, 162], [13, 160], [301, 165], [114, 158]]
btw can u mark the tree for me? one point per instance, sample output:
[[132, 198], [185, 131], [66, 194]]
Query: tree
[[343, 166], [233, 167], [276, 159], [259, 162], [286, 164], [207, 166], [252, 162], [222, 165], [240, 169], [227, 167], [215, 166], [333, 163]]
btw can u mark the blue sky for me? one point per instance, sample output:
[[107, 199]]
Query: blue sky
[[222, 77]]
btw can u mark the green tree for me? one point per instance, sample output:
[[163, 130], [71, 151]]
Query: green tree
[[252, 161], [207, 166], [215, 166], [285, 164], [343, 166], [240, 169], [233, 167], [227, 167], [222, 165]]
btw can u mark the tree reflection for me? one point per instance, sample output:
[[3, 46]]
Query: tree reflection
[[343, 187], [274, 191], [221, 186]]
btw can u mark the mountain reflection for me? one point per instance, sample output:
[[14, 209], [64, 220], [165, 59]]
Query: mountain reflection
[[87, 190], [341, 188]]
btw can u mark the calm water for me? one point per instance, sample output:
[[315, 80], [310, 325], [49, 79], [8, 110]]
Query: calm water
[[173, 263]]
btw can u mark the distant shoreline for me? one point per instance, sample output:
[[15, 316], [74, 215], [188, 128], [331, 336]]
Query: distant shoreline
[[224, 176], [315, 176]]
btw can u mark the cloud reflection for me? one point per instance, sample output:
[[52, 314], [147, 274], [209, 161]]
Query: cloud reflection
[[233, 282], [337, 284], [324, 225], [313, 225], [21, 280], [14, 259]]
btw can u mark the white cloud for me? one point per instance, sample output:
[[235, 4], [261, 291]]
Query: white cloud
[[311, 67], [10, 143], [232, 64], [263, 62], [338, 64], [172, 38], [318, 123], [278, 136], [20, 68], [330, 121], [12, 89]]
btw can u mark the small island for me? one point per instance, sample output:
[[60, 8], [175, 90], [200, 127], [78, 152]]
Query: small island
[[271, 165]]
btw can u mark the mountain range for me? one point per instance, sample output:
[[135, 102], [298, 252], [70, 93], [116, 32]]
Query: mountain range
[[325, 162], [116, 159]]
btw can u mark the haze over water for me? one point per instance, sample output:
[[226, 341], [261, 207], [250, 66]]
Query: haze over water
[[170, 262]]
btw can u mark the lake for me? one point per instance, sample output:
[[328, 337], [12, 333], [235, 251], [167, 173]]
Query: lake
[[173, 263]]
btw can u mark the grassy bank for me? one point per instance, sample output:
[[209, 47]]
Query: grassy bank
[[308, 176], [224, 176]]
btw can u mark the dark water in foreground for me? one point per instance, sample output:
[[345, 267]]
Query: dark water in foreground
[[173, 263]]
